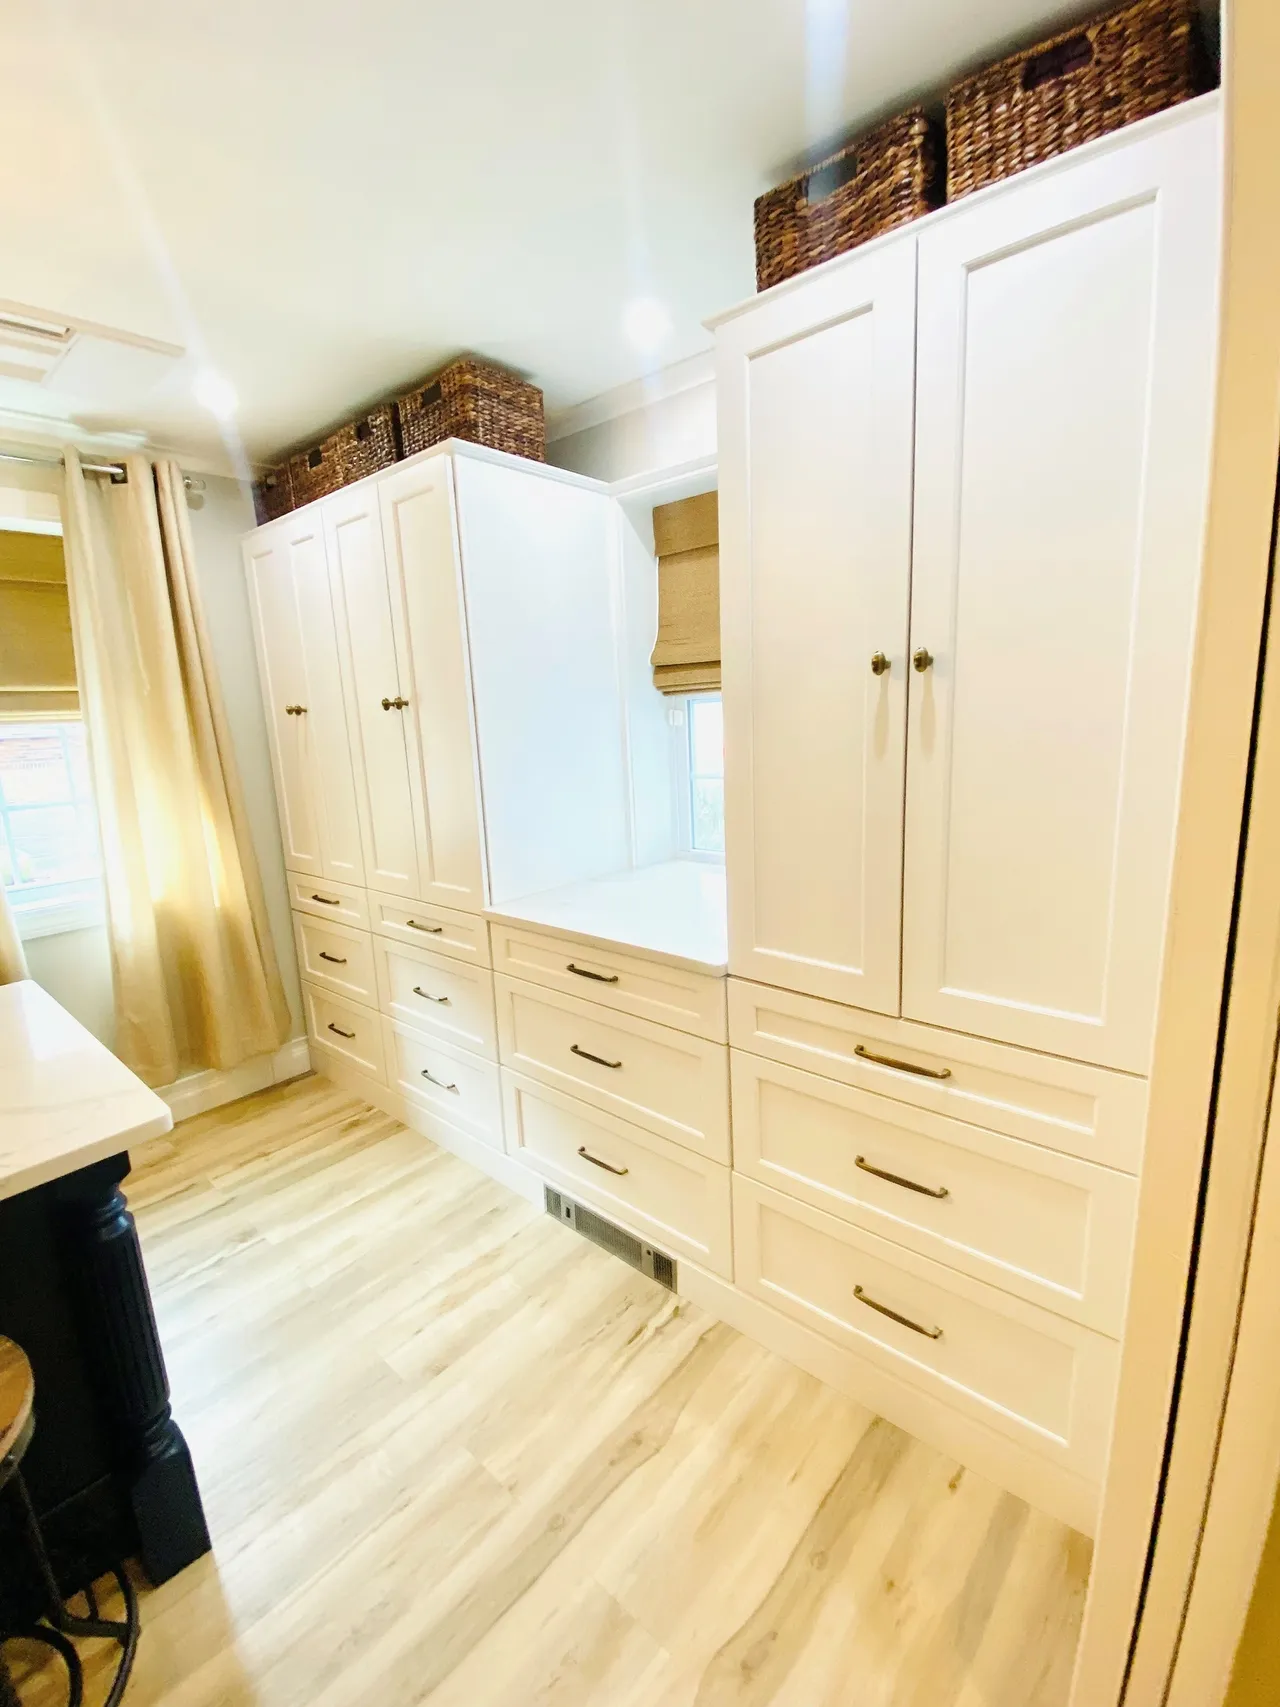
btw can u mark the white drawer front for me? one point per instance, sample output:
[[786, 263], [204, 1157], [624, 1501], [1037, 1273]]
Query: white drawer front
[[340, 903], [346, 1029], [668, 1081], [1026, 1373], [662, 1192], [1085, 1111], [671, 995], [459, 1086], [1049, 1227], [337, 958], [462, 936], [444, 998]]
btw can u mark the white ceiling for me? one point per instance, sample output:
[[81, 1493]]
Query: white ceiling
[[323, 199]]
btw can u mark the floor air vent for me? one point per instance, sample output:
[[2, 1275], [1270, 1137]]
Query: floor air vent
[[619, 1243]]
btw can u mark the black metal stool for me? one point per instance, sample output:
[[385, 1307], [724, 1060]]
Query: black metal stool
[[57, 1625]]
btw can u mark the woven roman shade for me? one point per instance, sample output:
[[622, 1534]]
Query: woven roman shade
[[37, 662], [686, 537]]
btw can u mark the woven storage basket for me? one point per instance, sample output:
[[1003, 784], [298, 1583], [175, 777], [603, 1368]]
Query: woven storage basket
[[1123, 66], [477, 401], [361, 447], [878, 181], [273, 494]]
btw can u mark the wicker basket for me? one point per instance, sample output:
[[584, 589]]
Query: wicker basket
[[477, 401], [361, 447], [878, 181], [1123, 66], [273, 494]]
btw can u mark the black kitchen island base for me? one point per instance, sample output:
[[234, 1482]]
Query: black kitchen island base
[[109, 1472]]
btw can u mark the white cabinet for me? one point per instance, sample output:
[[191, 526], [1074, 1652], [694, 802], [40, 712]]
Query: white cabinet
[[306, 720], [1061, 377], [375, 674], [815, 399], [1064, 409], [420, 538]]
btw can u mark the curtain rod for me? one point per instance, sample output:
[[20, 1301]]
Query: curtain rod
[[115, 469]]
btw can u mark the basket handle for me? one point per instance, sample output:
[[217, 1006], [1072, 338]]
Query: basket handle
[[431, 394], [824, 181], [1060, 60]]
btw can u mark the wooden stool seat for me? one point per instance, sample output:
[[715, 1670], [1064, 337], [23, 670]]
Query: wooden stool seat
[[17, 1396]]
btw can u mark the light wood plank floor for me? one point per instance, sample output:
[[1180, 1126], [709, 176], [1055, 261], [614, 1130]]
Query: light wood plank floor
[[452, 1454]]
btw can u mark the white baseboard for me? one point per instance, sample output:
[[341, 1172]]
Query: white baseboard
[[199, 1092]]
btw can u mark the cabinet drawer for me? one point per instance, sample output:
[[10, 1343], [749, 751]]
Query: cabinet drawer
[[668, 1081], [442, 1079], [346, 1029], [443, 997], [340, 903], [1085, 1111], [462, 936], [336, 957], [671, 995], [1026, 1373], [663, 1192], [1051, 1228]]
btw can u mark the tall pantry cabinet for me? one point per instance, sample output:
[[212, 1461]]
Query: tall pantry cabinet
[[962, 493]]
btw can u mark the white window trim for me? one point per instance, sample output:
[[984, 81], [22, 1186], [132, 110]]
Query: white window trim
[[682, 779], [55, 918]]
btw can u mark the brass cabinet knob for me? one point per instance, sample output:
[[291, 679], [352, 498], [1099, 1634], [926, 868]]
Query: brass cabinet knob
[[396, 704], [921, 660], [294, 710], [880, 665]]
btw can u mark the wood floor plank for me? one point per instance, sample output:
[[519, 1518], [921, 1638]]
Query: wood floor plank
[[454, 1455]]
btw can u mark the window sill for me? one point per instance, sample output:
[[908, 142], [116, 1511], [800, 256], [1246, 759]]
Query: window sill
[[56, 918]]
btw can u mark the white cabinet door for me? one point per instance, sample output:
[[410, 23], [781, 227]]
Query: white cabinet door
[[422, 562], [298, 659], [815, 405], [1066, 359], [384, 740], [277, 630]]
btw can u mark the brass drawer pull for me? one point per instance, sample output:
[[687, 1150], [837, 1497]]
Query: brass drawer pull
[[441, 1001], [333, 959], [596, 977], [440, 1082], [903, 1321], [431, 930], [897, 1179], [326, 900], [902, 1066], [597, 1163], [339, 1030], [396, 704], [598, 1059]]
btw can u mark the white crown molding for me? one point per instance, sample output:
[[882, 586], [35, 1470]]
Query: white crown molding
[[636, 394]]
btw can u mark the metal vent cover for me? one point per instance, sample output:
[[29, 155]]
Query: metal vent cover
[[616, 1240]]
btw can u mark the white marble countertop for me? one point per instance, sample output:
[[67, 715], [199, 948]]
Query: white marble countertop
[[673, 912], [65, 1100]]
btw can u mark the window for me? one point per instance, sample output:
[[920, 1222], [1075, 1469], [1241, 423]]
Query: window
[[49, 858], [705, 724]]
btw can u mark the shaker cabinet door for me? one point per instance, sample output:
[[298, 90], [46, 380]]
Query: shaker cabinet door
[[815, 401], [425, 580], [1064, 407], [380, 712], [306, 721]]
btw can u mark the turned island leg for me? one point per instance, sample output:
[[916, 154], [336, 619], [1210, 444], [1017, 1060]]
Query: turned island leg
[[118, 1328]]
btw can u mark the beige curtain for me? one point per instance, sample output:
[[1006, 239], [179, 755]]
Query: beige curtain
[[196, 979], [13, 961]]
